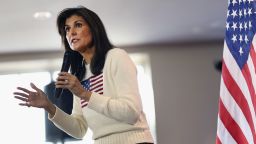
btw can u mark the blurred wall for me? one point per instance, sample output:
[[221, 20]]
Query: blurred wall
[[186, 90]]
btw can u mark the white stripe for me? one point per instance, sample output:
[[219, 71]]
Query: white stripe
[[97, 90], [252, 71], [96, 85], [223, 134], [254, 42], [235, 112], [93, 78], [239, 78], [99, 81]]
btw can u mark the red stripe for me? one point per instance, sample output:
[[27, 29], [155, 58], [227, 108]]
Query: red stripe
[[84, 105], [232, 127], [94, 76], [98, 90], [100, 85], [83, 101], [98, 82], [248, 79], [238, 96], [95, 79], [218, 140], [253, 56]]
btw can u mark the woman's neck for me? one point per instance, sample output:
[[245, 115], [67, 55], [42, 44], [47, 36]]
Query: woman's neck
[[88, 54]]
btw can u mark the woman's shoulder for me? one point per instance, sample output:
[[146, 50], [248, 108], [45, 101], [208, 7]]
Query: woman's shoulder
[[117, 52]]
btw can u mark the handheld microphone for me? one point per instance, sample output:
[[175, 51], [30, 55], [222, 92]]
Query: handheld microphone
[[64, 68]]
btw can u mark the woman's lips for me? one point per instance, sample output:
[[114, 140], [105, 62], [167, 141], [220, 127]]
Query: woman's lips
[[74, 41]]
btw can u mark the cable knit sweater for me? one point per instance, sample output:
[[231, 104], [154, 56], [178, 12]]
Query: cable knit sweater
[[115, 114]]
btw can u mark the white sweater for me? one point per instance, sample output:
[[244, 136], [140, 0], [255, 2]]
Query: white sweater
[[116, 117]]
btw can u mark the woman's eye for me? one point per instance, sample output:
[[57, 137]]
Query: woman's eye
[[78, 25], [67, 29]]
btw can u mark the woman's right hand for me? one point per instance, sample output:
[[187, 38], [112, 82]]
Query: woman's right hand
[[30, 98]]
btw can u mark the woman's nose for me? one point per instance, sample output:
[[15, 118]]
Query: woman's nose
[[72, 31]]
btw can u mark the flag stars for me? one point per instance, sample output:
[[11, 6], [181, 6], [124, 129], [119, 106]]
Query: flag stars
[[234, 2], [250, 11], [234, 13], [240, 38], [240, 13], [227, 25], [234, 38], [241, 51], [240, 26], [245, 13], [228, 13], [246, 39], [240, 22], [245, 25], [234, 26], [250, 24]]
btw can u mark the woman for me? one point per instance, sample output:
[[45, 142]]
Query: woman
[[104, 83]]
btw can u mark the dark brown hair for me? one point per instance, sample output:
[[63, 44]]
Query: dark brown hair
[[99, 40]]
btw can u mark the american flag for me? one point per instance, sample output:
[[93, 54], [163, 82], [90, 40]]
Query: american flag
[[237, 102], [92, 84]]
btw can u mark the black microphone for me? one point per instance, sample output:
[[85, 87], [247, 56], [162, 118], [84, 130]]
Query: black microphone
[[64, 68]]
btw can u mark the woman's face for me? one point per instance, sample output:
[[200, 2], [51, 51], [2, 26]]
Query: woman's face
[[78, 33]]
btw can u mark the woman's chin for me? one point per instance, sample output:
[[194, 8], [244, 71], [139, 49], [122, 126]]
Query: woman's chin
[[75, 48]]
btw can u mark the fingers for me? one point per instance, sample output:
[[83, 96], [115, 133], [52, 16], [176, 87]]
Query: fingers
[[63, 76], [23, 89], [63, 80], [34, 87], [21, 98], [26, 96], [28, 92], [25, 104], [63, 73], [21, 94]]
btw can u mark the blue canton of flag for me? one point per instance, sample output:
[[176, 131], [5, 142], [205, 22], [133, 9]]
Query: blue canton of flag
[[240, 28], [86, 84]]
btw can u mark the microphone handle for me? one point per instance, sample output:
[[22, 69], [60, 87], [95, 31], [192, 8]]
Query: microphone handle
[[58, 92], [64, 68]]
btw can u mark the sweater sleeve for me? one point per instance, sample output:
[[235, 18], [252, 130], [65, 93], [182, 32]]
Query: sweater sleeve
[[126, 105], [74, 124]]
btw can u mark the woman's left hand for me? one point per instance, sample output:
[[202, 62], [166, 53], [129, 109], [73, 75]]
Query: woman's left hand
[[69, 81]]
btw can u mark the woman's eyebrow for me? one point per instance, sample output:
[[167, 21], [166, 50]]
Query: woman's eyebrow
[[75, 22], [79, 21]]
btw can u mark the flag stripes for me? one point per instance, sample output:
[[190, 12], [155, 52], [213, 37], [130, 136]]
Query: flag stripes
[[232, 127], [93, 84], [234, 110], [238, 96], [222, 134], [237, 104]]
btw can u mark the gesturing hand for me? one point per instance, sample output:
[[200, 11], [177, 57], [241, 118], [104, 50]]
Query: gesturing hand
[[30, 98]]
